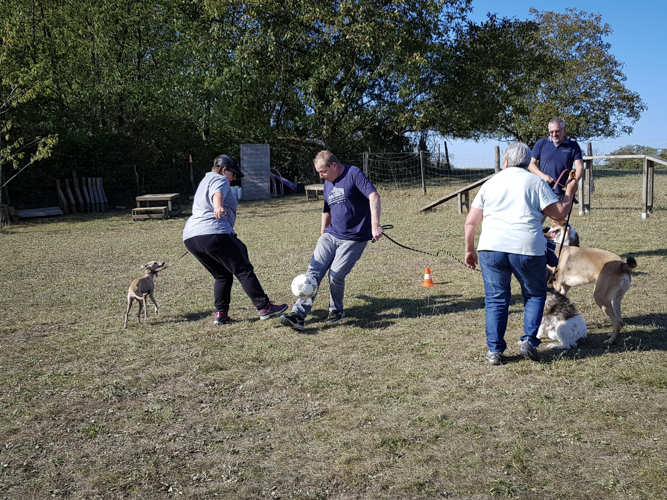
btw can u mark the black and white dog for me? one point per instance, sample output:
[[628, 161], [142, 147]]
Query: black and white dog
[[561, 321]]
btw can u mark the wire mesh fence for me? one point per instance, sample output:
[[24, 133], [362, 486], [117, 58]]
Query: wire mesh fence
[[414, 170], [614, 182]]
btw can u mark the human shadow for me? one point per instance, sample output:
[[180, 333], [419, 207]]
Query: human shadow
[[379, 313]]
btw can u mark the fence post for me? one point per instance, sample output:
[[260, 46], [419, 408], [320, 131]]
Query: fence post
[[497, 153], [585, 183], [421, 165], [449, 166], [647, 188], [366, 163]]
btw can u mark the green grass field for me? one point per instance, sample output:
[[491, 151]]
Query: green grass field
[[396, 402]]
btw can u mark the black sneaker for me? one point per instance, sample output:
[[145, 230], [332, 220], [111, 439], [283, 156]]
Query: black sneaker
[[293, 320], [271, 311], [335, 316]]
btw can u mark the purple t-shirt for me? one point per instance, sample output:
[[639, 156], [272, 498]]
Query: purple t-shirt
[[554, 159], [346, 199]]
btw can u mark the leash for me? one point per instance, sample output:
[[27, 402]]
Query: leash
[[165, 267], [567, 221], [436, 254]]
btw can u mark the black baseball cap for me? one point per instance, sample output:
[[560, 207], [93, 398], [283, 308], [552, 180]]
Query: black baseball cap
[[229, 163]]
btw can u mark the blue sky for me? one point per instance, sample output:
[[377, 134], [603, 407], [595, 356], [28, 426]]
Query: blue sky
[[637, 42]]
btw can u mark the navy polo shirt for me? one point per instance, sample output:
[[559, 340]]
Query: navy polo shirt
[[555, 159]]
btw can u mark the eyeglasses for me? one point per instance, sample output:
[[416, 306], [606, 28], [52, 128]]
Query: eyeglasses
[[557, 131]]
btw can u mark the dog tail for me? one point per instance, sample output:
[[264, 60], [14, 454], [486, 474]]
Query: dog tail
[[631, 264]]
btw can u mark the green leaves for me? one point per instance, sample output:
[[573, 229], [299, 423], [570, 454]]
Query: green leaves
[[126, 81]]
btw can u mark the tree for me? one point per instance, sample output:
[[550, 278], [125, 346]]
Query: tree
[[476, 80], [344, 75], [506, 79], [17, 150], [586, 89]]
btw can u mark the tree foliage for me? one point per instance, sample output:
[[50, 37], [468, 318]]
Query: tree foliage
[[128, 85], [585, 86]]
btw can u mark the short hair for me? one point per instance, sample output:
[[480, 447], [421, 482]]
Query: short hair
[[557, 121], [327, 157], [517, 154]]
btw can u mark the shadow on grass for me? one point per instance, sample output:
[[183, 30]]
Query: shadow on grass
[[378, 313], [660, 252], [112, 213], [641, 339]]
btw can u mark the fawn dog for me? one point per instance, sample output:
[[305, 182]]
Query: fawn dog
[[611, 276], [142, 287], [555, 233]]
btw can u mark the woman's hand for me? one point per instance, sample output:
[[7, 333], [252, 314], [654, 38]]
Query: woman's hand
[[218, 205], [471, 259], [219, 211]]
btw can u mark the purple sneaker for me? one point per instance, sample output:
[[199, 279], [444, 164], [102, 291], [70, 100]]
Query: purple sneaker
[[271, 311], [221, 318]]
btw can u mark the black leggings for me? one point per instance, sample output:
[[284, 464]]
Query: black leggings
[[225, 256]]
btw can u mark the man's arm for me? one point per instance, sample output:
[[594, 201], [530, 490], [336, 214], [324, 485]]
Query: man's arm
[[473, 220], [376, 209], [560, 210], [579, 169], [536, 170]]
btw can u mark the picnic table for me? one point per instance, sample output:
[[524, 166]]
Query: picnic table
[[157, 206], [313, 189]]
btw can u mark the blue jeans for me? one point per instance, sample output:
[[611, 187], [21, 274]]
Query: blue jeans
[[497, 271], [338, 257]]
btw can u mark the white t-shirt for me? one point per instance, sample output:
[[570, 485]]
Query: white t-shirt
[[512, 202]]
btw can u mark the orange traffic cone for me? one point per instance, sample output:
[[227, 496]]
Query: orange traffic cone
[[428, 281]]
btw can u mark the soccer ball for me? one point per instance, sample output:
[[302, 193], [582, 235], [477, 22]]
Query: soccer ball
[[304, 286]]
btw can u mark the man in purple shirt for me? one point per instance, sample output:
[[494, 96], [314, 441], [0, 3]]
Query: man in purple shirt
[[350, 218], [556, 155]]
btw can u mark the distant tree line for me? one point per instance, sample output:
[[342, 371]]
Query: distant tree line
[[124, 89], [633, 163]]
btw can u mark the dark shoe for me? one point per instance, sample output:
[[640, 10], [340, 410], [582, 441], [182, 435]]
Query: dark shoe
[[495, 358], [529, 351], [221, 318], [293, 320], [271, 311], [335, 316]]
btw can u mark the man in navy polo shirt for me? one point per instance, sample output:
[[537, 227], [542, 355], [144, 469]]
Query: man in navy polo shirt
[[556, 155], [350, 218]]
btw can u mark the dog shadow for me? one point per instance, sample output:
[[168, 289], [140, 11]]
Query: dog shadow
[[650, 336], [658, 252]]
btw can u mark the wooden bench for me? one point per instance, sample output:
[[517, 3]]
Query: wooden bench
[[171, 199], [314, 189], [150, 213]]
